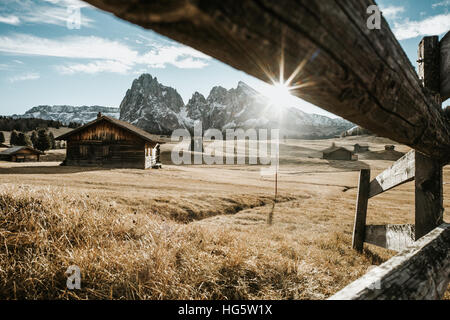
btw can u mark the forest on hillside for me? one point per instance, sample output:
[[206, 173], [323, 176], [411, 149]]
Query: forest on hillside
[[30, 124]]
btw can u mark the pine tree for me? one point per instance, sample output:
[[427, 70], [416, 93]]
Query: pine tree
[[23, 140], [13, 138], [2, 137], [34, 138], [43, 142]]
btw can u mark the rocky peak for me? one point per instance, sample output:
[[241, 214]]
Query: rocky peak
[[152, 106], [246, 89], [160, 109], [218, 94], [197, 107]]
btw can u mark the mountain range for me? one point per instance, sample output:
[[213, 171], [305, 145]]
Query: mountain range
[[67, 114], [159, 109]]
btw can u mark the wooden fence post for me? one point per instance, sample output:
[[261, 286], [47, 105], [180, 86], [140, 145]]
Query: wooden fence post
[[428, 176], [428, 195], [359, 228]]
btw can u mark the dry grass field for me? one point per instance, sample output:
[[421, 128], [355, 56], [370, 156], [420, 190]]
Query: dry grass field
[[193, 232]]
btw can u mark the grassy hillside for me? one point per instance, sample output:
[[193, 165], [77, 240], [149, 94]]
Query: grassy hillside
[[191, 232]]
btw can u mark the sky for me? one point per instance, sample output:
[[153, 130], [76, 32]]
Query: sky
[[65, 52]]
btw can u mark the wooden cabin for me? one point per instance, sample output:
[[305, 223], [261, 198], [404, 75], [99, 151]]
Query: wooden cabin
[[2, 145], [337, 153], [108, 142], [20, 154]]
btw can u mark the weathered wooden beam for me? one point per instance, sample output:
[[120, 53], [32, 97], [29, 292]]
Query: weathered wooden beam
[[428, 176], [392, 236], [342, 66], [402, 171], [445, 66], [361, 210], [429, 64], [420, 272], [429, 207]]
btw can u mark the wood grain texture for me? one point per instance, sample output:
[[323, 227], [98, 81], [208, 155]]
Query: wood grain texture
[[360, 74], [391, 236], [445, 66], [402, 171], [429, 64], [420, 272], [361, 210], [429, 209]]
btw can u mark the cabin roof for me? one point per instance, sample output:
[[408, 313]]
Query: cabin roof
[[122, 124], [15, 149], [333, 149]]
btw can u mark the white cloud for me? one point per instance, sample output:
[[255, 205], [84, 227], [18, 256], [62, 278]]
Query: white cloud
[[104, 55], [14, 20], [392, 12], [24, 77], [181, 57], [444, 3], [435, 25], [68, 47], [95, 67], [55, 12]]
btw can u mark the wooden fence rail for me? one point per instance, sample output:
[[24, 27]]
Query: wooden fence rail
[[422, 271]]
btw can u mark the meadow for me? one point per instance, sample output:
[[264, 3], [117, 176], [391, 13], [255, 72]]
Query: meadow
[[193, 231]]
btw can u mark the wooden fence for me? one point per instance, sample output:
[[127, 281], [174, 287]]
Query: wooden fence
[[337, 63]]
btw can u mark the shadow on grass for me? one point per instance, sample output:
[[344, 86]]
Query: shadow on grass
[[50, 170], [348, 165]]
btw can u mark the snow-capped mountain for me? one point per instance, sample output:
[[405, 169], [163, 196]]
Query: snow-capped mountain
[[160, 110], [67, 114]]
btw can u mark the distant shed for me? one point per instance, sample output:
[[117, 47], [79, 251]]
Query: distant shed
[[108, 142], [20, 154], [389, 147], [360, 148], [337, 153]]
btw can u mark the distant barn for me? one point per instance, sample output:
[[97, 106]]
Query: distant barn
[[108, 142], [20, 154], [360, 148], [337, 153]]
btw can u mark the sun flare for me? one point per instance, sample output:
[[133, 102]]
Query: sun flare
[[279, 95]]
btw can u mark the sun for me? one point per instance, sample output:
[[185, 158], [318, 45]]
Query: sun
[[279, 95]]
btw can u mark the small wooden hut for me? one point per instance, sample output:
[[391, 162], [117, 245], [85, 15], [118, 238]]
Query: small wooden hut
[[360, 148], [20, 154], [108, 142], [337, 153]]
